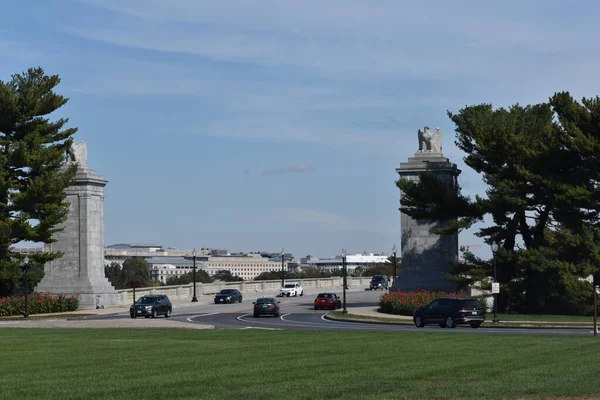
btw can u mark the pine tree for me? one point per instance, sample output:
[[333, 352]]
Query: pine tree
[[32, 173], [541, 170]]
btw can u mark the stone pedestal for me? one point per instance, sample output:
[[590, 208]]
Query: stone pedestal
[[81, 268], [426, 257]]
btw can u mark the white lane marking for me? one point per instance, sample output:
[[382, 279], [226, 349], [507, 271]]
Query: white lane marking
[[263, 328], [201, 315], [239, 318]]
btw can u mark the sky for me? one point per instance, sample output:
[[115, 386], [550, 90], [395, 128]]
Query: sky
[[260, 125]]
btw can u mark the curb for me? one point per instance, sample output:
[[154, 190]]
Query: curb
[[362, 321]]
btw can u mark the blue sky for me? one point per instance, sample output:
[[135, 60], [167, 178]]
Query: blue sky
[[261, 125]]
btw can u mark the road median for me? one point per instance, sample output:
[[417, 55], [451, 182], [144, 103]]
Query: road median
[[372, 315]]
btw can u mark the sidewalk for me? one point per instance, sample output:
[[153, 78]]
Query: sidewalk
[[78, 319], [372, 312]]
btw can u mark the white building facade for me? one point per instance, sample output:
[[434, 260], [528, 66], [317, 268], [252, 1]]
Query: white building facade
[[353, 261]]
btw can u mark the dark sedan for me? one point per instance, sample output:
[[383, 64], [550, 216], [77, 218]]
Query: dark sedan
[[266, 306], [228, 296], [448, 312], [151, 306], [327, 300]]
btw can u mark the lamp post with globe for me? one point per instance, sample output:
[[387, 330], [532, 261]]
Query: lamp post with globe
[[344, 280], [495, 285]]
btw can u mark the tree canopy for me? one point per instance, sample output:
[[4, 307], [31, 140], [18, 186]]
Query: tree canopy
[[225, 275], [201, 277], [133, 270], [32, 174], [541, 169]]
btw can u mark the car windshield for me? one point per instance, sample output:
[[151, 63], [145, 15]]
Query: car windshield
[[377, 278], [147, 300], [325, 295], [226, 291], [289, 285], [265, 300]]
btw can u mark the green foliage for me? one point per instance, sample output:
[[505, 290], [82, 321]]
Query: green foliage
[[381, 269], [314, 272], [39, 303], [201, 277], [306, 273], [113, 272], [136, 270], [224, 275], [268, 276], [542, 170], [32, 178], [133, 269], [431, 198]]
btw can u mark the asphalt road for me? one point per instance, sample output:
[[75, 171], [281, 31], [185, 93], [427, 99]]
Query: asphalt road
[[297, 313]]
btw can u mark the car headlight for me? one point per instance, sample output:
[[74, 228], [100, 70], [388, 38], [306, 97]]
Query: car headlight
[[148, 308]]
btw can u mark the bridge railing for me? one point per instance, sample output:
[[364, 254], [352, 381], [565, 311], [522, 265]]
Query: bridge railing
[[248, 288]]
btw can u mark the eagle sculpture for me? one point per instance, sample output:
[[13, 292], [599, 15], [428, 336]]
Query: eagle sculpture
[[430, 142]]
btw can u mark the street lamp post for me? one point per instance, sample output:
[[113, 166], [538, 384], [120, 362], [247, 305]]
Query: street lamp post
[[494, 247], [395, 264], [595, 283], [282, 268], [26, 269], [194, 298], [344, 279]]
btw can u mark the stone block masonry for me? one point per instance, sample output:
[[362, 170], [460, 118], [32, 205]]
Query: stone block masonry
[[81, 268], [426, 256]]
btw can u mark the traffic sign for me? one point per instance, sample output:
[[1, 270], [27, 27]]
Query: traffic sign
[[495, 287]]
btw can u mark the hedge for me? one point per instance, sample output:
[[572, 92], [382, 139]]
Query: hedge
[[405, 303], [38, 303]]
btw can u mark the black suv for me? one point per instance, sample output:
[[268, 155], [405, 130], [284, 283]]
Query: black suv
[[228, 296], [379, 282], [151, 306], [447, 312]]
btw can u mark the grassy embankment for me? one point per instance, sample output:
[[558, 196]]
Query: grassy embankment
[[249, 364]]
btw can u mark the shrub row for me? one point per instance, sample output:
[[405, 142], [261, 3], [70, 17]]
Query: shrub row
[[405, 303], [38, 303]]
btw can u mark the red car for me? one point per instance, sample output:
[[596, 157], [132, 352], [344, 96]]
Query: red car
[[327, 300]]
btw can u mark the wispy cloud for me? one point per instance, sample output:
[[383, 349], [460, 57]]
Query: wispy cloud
[[323, 219], [19, 50], [314, 217], [291, 169], [350, 37]]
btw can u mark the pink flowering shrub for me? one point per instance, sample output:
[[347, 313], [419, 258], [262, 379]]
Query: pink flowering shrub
[[405, 303], [38, 303]]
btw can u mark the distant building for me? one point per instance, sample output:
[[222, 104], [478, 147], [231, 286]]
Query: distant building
[[166, 263], [169, 262], [246, 266], [353, 261]]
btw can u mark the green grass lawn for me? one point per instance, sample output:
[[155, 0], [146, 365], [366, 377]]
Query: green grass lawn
[[540, 317], [190, 364]]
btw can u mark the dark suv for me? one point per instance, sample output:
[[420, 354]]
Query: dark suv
[[151, 306], [447, 312], [379, 282]]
